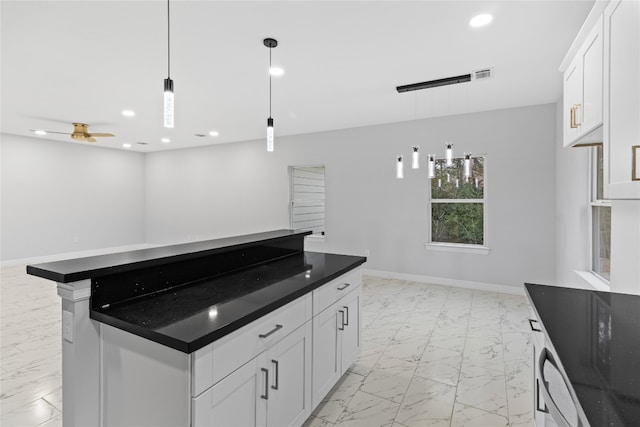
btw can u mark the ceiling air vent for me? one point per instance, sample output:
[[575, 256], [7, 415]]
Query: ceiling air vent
[[484, 74]]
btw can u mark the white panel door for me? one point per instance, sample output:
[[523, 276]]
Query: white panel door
[[326, 363], [289, 401], [350, 330], [239, 400]]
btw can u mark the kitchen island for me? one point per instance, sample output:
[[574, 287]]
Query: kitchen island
[[590, 341], [250, 330]]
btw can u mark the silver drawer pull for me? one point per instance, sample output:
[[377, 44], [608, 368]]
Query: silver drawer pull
[[532, 327], [273, 331], [265, 396], [342, 320], [553, 409], [275, 381], [346, 285]]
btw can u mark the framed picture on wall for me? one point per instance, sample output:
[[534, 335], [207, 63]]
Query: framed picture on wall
[[635, 159]]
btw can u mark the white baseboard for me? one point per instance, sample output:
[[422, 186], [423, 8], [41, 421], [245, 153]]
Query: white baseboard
[[78, 254], [514, 290]]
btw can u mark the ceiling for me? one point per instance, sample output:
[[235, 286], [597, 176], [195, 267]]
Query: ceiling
[[86, 61]]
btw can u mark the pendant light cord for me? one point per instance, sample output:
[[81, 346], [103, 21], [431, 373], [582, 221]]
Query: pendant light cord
[[168, 41], [270, 81]]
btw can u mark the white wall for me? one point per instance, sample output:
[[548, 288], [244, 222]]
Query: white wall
[[59, 197], [572, 210], [239, 188]]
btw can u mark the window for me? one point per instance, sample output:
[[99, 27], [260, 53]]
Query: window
[[307, 198], [458, 204], [600, 219]]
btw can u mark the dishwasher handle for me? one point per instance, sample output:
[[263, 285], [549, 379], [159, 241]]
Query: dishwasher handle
[[553, 409]]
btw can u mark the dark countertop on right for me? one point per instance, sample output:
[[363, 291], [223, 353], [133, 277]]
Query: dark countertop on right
[[596, 336]]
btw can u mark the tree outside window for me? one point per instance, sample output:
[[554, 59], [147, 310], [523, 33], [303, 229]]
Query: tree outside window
[[458, 203]]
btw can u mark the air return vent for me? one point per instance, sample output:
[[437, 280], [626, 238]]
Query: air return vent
[[486, 73]]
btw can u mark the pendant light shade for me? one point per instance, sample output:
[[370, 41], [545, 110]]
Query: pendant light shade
[[431, 166], [400, 168], [270, 43], [448, 157], [467, 165], [415, 159], [168, 103], [269, 134], [168, 83]]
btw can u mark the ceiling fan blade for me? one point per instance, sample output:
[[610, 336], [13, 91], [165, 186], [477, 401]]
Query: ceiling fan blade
[[100, 135], [50, 131]]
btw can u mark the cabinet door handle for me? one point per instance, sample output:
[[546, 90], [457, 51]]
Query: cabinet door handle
[[265, 396], [346, 323], [548, 400], [545, 410], [572, 119], [532, 327], [273, 331], [275, 381], [342, 321], [346, 285], [575, 115]]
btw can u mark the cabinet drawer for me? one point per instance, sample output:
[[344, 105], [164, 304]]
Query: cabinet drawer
[[328, 294], [220, 358]]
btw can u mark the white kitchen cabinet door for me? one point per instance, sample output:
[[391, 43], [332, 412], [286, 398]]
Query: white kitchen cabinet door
[[326, 362], [572, 100], [583, 89], [350, 331], [289, 401], [236, 401], [622, 47], [590, 113]]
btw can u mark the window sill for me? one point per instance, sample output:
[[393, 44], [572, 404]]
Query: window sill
[[597, 282], [315, 238], [459, 248]]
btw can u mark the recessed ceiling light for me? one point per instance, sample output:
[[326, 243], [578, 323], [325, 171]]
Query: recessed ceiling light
[[40, 132], [128, 113], [481, 20], [214, 133], [126, 145], [165, 140], [276, 71]]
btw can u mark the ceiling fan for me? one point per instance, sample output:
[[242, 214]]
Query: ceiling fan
[[81, 133]]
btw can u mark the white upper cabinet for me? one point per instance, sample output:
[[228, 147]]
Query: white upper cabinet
[[583, 83], [622, 91]]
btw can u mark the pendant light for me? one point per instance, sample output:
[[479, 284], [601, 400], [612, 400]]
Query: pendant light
[[168, 83], [448, 155], [270, 43], [431, 166], [399, 168], [467, 166], [415, 160]]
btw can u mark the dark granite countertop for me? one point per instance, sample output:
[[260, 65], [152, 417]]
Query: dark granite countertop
[[596, 336], [189, 317], [90, 267]]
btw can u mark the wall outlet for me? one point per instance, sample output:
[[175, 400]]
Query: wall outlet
[[67, 325]]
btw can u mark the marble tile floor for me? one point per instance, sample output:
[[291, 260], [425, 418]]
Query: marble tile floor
[[431, 355], [434, 355]]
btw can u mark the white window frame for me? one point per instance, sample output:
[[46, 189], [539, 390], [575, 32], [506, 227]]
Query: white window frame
[[595, 202], [483, 249], [312, 237]]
